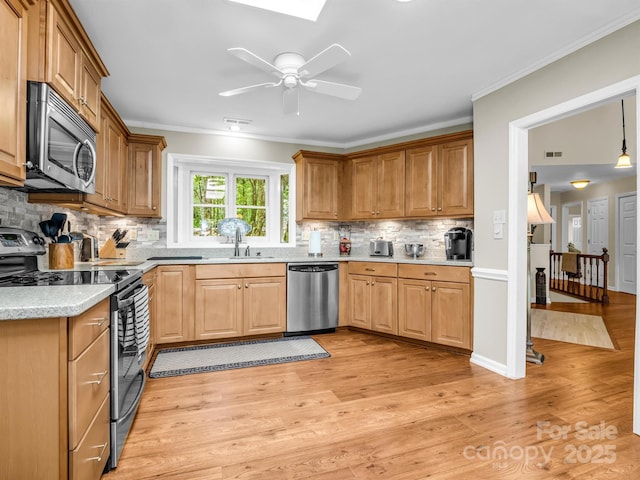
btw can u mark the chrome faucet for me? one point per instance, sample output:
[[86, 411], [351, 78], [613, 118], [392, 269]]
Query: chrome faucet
[[247, 251], [236, 250]]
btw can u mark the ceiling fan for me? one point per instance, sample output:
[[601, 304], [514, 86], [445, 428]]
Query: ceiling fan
[[293, 71]]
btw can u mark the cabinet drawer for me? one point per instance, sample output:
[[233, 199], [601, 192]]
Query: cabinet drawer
[[88, 385], [374, 269], [87, 461], [86, 327], [434, 272], [241, 270]]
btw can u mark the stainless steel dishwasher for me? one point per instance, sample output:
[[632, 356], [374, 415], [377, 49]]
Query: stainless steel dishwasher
[[312, 298]]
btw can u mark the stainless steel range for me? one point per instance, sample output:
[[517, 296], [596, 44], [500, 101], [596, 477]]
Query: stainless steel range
[[129, 328]]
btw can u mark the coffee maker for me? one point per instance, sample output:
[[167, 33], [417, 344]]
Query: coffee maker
[[457, 243]]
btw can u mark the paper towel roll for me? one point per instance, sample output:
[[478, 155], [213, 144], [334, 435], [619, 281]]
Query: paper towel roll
[[315, 242]]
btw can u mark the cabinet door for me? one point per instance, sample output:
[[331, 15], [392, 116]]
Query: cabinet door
[[390, 185], [218, 310], [450, 319], [384, 312], [65, 55], [114, 166], [360, 301], [421, 182], [144, 179], [455, 178], [175, 304], [363, 187], [265, 305], [89, 95], [13, 38], [100, 195], [414, 309], [320, 199]]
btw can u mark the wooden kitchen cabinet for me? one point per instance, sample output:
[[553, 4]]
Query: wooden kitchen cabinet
[[57, 373], [439, 179], [13, 65], [318, 185], [145, 175], [149, 279], [239, 300], [373, 296], [434, 304], [377, 186], [61, 54], [175, 299], [111, 165]]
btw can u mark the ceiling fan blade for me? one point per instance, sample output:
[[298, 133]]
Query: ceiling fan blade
[[238, 91], [252, 59], [329, 57], [290, 102], [348, 92]]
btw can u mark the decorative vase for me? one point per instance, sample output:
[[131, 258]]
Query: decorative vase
[[541, 286]]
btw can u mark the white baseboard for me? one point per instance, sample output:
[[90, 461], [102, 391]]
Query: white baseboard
[[489, 364]]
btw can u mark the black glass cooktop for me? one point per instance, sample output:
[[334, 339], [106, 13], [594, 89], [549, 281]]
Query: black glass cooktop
[[67, 277]]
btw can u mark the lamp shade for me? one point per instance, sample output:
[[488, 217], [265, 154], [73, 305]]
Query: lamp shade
[[624, 161], [536, 213]]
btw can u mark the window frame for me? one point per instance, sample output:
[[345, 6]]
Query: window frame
[[180, 169]]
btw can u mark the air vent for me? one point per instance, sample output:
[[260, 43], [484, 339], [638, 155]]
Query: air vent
[[235, 124], [552, 154]]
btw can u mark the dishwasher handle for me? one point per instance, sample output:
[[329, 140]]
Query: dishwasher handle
[[311, 268]]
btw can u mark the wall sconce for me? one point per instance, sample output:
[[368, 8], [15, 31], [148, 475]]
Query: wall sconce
[[624, 160], [580, 184]]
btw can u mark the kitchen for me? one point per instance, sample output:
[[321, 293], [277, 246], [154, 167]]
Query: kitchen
[[483, 345]]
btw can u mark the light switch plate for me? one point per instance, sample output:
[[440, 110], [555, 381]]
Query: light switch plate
[[499, 216], [498, 231]]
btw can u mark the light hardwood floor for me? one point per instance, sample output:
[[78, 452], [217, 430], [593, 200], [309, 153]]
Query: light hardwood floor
[[388, 410]]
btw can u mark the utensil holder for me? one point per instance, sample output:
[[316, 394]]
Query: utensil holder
[[61, 256]]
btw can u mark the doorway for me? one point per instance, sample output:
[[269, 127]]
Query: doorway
[[572, 225], [627, 243], [517, 264]]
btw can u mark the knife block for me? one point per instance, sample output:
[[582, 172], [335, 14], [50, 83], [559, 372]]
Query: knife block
[[109, 250], [61, 256]]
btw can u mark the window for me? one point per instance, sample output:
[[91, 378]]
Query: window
[[204, 191]]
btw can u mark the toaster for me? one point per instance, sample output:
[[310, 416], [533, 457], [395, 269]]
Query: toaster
[[380, 248]]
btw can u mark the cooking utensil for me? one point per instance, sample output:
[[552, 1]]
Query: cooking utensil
[[59, 220], [414, 249], [117, 235], [122, 244], [48, 229], [65, 238]]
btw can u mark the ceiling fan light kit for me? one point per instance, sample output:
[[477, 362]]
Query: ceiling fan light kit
[[293, 72]]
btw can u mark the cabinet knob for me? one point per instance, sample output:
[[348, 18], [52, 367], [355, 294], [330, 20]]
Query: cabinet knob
[[433, 289], [439, 209], [367, 282], [377, 212], [239, 286], [373, 283], [373, 213], [433, 209], [246, 285], [154, 208]]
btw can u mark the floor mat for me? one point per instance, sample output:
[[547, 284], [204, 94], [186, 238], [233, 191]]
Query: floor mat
[[224, 356], [570, 327]]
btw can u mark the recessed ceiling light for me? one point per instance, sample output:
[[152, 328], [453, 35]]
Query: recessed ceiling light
[[307, 9], [235, 124]]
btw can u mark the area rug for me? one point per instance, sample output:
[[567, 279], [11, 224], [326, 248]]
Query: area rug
[[570, 327], [225, 356]]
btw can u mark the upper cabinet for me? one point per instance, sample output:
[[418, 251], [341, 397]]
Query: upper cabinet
[[13, 65], [417, 179], [145, 174], [377, 186], [318, 185], [439, 179], [61, 54]]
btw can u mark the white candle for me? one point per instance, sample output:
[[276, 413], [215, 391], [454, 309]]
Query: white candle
[[314, 242]]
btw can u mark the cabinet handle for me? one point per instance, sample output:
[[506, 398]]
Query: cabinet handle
[[102, 376], [370, 269], [102, 448], [430, 273], [98, 322]]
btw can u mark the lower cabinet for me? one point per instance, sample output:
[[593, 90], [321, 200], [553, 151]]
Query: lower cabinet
[[373, 298], [174, 303], [238, 300], [436, 310], [56, 371]]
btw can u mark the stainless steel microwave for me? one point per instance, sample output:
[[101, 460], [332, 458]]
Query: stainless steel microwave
[[61, 146]]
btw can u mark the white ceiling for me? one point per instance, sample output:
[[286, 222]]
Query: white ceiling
[[418, 63]]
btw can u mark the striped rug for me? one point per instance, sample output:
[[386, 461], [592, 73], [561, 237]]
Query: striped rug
[[225, 356]]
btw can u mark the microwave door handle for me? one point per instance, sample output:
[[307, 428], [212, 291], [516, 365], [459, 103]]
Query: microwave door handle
[[76, 153]]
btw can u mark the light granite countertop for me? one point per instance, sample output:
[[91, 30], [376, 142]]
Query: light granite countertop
[[19, 303]]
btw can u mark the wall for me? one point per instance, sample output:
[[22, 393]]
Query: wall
[[595, 66]]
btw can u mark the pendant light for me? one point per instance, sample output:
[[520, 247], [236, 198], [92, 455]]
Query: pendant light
[[624, 160]]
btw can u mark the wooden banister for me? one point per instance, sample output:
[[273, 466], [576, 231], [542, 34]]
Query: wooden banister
[[588, 283]]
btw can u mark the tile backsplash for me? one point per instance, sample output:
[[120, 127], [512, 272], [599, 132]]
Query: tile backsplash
[[15, 211]]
